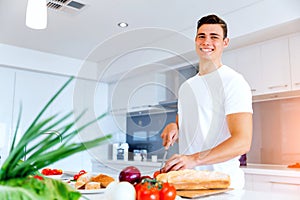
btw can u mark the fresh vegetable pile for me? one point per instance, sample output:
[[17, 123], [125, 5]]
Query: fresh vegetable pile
[[21, 179], [133, 186]]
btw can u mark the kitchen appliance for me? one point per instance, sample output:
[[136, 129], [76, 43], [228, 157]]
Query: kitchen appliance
[[144, 127], [120, 151]]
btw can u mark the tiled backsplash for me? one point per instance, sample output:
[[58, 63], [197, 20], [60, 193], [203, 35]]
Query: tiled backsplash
[[276, 132]]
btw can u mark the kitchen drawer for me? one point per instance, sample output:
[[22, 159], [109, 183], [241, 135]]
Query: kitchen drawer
[[280, 184]]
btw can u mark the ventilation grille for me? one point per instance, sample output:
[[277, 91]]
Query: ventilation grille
[[61, 4]]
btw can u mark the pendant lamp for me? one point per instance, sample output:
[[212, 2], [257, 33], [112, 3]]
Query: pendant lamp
[[36, 14]]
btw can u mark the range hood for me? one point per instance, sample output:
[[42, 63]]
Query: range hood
[[162, 107]]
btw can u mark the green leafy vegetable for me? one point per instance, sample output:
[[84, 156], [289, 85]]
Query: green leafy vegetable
[[14, 172]]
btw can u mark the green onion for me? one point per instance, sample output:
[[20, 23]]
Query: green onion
[[38, 156]]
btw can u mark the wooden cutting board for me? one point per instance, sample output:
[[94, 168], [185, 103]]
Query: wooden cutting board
[[200, 193]]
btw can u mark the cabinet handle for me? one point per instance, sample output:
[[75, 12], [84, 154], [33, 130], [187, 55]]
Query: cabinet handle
[[297, 83], [253, 90], [277, 86], [278, 182]]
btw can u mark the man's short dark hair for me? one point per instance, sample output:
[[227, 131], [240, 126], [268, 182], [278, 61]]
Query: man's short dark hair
[[213, 19]]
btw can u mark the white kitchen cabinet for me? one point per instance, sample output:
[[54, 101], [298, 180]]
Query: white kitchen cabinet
[[34, 90], [275, 66], [249, 65], [294, 44], [229, 58], [247, 61], [7, 81], [272, 178], [276, 183]]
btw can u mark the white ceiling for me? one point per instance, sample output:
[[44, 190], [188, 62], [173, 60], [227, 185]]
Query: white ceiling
[[77, 34]]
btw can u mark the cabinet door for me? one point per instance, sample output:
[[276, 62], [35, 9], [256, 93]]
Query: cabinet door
[[34, 90], [7, 78], [294, 44], [229, 58], [275, 66], [249, 65]]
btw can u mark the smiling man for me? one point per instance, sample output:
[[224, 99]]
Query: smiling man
[[214, 121]]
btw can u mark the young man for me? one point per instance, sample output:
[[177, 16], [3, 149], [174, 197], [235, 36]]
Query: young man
[[214, 122]]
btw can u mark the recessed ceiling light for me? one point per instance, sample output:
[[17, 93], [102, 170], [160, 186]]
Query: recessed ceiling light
[[122, 24]]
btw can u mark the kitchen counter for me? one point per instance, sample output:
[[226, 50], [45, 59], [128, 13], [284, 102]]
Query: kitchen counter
[[231, 195], [274, 170]]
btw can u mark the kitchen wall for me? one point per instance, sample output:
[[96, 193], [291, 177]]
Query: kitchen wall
[[276, 138]]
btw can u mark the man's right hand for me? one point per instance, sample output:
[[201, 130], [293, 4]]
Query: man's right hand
[[170, 135]]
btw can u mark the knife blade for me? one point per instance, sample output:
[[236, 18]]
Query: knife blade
[[164, 158]]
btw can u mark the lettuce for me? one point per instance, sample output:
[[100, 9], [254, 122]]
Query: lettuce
[[34, 189]]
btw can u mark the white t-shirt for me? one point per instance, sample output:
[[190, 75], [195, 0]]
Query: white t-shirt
[[203, 103]]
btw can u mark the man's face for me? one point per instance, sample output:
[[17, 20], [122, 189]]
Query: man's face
[[210, 43]]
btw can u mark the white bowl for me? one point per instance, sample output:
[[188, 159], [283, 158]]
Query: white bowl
[[54, 176]]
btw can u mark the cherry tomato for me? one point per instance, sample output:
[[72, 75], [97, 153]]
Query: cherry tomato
[[38, 177], [76, 176], [46, 171], [156, 173], [168, 192], [82, 172], [55, 172]]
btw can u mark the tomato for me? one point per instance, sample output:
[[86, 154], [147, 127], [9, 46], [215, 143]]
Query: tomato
[[38, 177], [82, 172], [143, 192], [55, 172], [156, 173], [144, 177], [76, 176], [168, 192], [46, 171]]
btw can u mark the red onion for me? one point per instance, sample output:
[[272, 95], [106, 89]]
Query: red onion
[[130, 174]]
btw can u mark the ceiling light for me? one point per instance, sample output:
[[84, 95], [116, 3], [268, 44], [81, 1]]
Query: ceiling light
[[36, 14], [122, 24]]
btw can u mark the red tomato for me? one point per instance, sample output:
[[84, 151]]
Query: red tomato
[[55, 172], [46, 171], [38, 177], [145, 193], [76, 176], [145, 177], [156, 173], [82, 172], [168, 192]]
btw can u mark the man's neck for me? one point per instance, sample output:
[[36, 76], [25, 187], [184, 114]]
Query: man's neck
[[208, 67]]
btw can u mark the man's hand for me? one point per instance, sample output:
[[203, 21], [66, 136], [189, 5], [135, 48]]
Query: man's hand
[[169, 135], [179, 162]]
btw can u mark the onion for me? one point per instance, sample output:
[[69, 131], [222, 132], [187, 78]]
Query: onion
[[130, 174]]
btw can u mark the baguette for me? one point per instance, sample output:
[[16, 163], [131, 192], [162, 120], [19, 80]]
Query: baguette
[[190, 179]]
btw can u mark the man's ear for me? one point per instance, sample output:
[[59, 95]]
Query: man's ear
[[226, 42]]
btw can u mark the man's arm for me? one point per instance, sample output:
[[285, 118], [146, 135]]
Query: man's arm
[[170, 134], [240, 127]]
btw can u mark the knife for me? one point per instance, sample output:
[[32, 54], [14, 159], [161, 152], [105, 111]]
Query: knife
[[164, 158]]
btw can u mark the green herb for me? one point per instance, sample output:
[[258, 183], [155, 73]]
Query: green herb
[[39, 156]]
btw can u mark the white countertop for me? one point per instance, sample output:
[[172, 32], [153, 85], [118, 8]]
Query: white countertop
[[274, 170], [230, 195]]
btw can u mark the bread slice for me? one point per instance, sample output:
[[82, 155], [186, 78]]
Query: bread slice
[[103, 179], [92, 186], [190, 179]]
